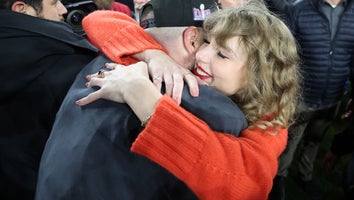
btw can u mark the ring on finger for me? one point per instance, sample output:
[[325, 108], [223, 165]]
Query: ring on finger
[[100, 74], [186, 74], [156, 78]]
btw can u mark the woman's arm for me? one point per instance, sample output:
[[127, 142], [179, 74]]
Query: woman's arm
[[122, 40], [213, 165], [117, 36], [207, 161], [129, 85]]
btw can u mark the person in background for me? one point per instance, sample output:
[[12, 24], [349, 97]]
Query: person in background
[[129, 3], [278, 6], [275, 6], [250, 56], [138, 4], [40, 57], [45, 9], [92, 147], [326, 45], [113, 5], [343, 144]]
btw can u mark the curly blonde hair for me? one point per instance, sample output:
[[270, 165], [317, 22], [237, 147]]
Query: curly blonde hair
[[273, 77]]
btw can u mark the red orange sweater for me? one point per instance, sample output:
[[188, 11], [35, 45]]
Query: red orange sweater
[[214, 165], [117, 35]]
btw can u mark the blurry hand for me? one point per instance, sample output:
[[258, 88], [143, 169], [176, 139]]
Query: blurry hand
[[116, 84], [330, 160], [348, 111]]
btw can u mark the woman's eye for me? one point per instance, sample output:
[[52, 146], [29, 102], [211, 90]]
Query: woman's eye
[[206, 41], [221, 55]]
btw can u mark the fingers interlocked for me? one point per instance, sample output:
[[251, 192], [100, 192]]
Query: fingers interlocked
[[156, 78], [100, 74], [186, 74]]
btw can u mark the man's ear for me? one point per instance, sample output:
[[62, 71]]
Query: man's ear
[[191, 39], [19, 6]]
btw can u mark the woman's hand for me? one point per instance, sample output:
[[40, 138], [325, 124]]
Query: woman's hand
[[117, 83], [125, 84], [163, 69]]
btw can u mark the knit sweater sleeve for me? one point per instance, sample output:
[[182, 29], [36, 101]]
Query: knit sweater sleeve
[[117, 35], [214, 165]]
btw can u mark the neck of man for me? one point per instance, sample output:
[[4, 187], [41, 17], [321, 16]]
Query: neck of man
[[172, 40], [333, 3]]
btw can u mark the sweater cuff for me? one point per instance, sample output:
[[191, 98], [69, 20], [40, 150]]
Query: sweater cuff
[[117, 35], [173, 138], [137, 39]]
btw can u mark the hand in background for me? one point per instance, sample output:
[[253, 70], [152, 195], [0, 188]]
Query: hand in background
[[330, 160], [348, 111]]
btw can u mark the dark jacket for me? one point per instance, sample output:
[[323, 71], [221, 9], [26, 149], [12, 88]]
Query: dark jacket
[[88, 153], [343, 142], [326, 64], [277, 6], [39, 61]]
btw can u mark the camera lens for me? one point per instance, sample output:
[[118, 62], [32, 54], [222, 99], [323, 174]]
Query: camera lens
[[77, 10], [75, 17]]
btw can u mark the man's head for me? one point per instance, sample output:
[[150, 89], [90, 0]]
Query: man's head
[[47, 9], [176, 25]]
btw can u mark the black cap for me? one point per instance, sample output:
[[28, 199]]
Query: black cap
[[172, 13]]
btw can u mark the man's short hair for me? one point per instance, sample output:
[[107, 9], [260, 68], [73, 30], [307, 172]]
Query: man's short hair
[[36, 4]]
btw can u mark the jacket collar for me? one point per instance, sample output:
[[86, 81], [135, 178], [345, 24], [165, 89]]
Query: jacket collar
[[316, 3], [35, 25]]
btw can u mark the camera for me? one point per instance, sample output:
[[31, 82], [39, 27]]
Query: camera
[[77, 10]]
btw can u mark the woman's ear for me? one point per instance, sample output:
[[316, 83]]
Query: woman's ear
[[192, 39], [19, 6]]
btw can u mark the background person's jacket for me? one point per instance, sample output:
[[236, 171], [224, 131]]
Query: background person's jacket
[[326, 64], [39, 61]]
